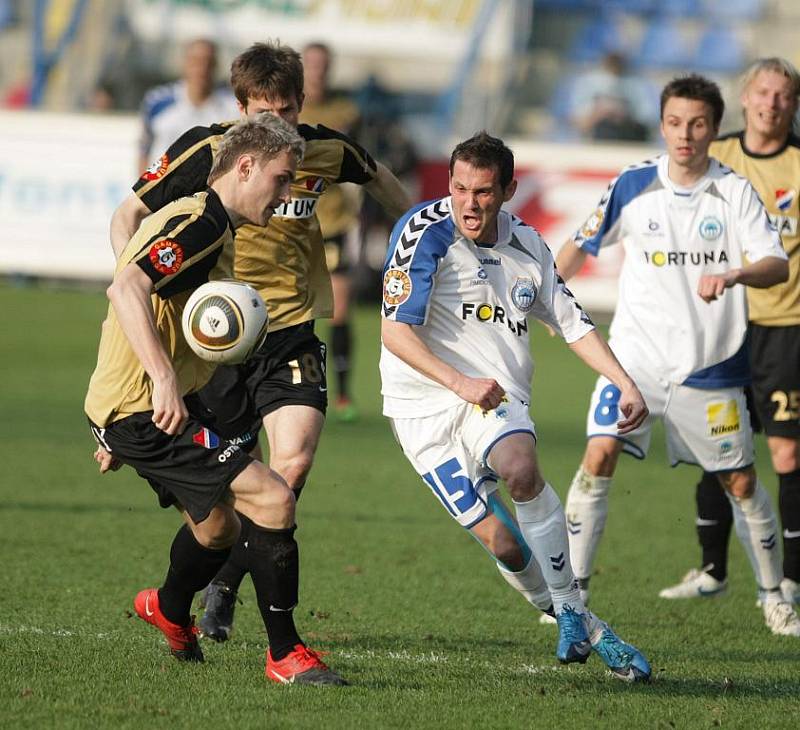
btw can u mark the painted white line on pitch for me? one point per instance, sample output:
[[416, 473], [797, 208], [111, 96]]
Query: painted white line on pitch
[[402, 655]]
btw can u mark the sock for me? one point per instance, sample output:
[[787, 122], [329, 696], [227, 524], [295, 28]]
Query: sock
[[757, 529], [789, 502], [235, 568], [530, 583], [274, 566], [714, 522], [541, 521], [340, 350], [587, 509], [191, 567]]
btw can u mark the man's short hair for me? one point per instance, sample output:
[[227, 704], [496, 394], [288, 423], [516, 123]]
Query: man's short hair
[[697, 88], [267, 71], [484, 151], [264, 136], [776, 64]]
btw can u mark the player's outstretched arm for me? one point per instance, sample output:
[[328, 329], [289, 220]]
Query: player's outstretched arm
[[595, 352], [125, 222], [389, 192], [401, 340], [761, 274], [569, 260], [130, 295]]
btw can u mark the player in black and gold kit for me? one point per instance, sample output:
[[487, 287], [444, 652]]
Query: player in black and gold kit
[[285, 261], [767, 153], [143, 405]]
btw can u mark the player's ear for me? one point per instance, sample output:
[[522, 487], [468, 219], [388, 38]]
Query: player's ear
[[509, 191], [242, 108], [245, 165]]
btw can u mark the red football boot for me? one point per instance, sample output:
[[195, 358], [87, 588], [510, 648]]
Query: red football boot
[[301, 666], [182, 640]]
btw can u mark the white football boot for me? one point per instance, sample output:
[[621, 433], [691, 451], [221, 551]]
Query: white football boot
[[696, 584], [779, 616], [791, 591]]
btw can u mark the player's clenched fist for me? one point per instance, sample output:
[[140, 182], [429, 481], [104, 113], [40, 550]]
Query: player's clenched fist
[[711, 286], [483, 392]]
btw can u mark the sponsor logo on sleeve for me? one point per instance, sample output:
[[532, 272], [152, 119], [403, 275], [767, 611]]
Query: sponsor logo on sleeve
[[396, 287], [166, 256]]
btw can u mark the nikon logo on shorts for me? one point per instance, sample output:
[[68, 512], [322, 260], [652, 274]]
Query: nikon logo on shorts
[[684, 258], [722, 418], [297, 208], [492, 313]]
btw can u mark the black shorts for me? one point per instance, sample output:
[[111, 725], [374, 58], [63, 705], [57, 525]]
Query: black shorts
[[288, 370], [336, 254], [775, 368], [193, 469]]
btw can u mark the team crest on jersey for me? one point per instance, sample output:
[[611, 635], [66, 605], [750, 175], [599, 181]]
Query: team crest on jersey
[[592, 225], [523, 294], [784, 199], [396, 287], [157, 169], [711, 228], [315, 184], [166, 256], [722, 418], [206, 438]]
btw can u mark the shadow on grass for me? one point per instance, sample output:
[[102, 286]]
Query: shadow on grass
[[71, 508]]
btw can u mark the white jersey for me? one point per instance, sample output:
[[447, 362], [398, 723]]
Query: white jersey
[[672, 236], [474, 302], [167, 113]]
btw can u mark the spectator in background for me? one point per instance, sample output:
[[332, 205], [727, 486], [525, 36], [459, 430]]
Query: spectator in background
[[171, 109], [610, 103], [338, 212]]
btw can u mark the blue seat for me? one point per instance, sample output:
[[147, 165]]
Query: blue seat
[[594, 40], [719, 49], [663, 46], [734, 9], [633, 7], [679, 8]]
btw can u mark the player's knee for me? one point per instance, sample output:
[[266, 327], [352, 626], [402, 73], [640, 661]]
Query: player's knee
[[523, 480], [601, 456], [785, 456], [739, 484], [273, 505], [294, 470], [218, 531]]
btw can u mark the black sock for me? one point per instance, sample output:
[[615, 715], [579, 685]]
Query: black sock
[[274, 565], [191, 567], [340, 350], [789, 502], [235, 568], [715, 519]]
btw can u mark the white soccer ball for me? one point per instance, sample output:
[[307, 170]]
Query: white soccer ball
[[225, 321]]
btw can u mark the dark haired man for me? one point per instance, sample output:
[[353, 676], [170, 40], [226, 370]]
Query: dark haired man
[[285, 380], [687, 224], [461, 280], [767, 153]]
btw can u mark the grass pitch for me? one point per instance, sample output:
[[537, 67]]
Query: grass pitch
[[411, 610]]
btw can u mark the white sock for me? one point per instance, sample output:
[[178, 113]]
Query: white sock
[[757, 529], [530, 583], [545, 530], [586, 509]]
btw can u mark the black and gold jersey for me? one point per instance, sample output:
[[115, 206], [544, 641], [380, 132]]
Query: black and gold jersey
[[183, 245], [776, 178], [284, 261]]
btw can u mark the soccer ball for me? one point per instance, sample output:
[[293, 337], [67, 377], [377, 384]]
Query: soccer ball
[[225, 321]]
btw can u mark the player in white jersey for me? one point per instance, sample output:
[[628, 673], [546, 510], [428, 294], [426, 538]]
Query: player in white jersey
[[687, 223], [462, 279]]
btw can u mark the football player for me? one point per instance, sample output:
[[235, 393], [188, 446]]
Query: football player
[[767, 153], [144, 411], [462, 280], [285, 380], [695, 235]]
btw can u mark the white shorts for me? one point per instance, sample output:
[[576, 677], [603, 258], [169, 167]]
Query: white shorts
[[710, 428], [449, 450]]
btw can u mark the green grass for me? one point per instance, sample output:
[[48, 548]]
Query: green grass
[[410, 608]]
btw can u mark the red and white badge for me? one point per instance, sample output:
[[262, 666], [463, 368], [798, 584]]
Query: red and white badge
[[157, 169], [166, 256], [396, 287]]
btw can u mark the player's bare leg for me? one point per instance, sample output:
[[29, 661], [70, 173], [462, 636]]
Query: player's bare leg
[[785, 453], [587, 505]]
